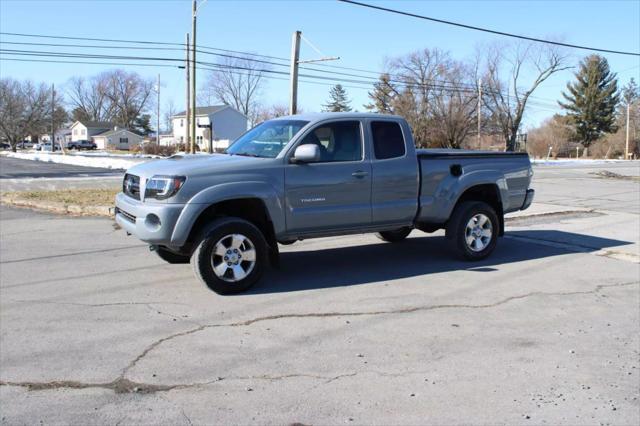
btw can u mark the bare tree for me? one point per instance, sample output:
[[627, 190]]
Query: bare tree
[[452, 106], [504, 69], [274, 111], [25, 109], [129, 94], [117, 95], [89, 98], [236, 82], [169, 111], [433, 92]]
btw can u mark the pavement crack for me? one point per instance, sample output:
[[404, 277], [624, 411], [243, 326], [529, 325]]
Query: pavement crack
[[124, 385], [245, 323]]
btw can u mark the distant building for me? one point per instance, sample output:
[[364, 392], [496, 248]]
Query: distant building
[[228, 125], [105, 135], [85, 130], [123, 139], [63, 136]]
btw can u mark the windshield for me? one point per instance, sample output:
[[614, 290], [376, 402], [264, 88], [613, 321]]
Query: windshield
[[266, 139]]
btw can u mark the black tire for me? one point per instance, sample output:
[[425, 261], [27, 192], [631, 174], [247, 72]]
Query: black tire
[[203, 258], [458, 235], [394, 236], [171, 257]]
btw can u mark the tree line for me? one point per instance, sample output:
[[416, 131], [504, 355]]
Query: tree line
[[449, 103], [437, 94], [117, 96]]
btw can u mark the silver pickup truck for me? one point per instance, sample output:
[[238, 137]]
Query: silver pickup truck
[[316, 175]]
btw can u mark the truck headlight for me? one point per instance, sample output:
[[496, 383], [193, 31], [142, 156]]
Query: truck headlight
[[163, 187]]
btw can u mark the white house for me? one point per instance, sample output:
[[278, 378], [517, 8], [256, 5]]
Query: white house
[[117, 139], [84, 131], [228, 125]]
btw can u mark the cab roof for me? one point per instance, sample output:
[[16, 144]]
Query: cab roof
[[320, 116]]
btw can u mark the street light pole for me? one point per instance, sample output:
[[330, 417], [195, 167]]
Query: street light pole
[[187, 132], [479, 108], [193, 78], [158, 121], [53, 122], [626, 144]]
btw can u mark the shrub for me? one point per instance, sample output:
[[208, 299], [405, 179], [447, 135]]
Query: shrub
[[155, 149], [181, 147]]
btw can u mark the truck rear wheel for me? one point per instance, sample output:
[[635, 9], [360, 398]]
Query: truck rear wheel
[[171, 257], [231, 256], [473, 230], [394, 236]]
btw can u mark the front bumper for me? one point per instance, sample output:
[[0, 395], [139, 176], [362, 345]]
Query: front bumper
[[151, 223], [528, 199]]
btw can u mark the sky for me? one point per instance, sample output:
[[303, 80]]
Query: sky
[[362, 38]]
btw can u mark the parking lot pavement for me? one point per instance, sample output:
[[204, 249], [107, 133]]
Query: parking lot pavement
[[95, 329]]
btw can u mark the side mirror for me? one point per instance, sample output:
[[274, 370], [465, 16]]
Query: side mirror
[[307, 153]]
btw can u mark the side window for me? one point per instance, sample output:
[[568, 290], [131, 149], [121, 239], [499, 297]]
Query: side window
[[339, 141], [387, 139]]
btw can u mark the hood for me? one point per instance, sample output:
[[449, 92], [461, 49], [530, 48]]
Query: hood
[[193, 165]]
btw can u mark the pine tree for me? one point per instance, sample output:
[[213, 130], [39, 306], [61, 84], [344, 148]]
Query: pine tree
[[592, 100], [382, 96], [630, 92], [338, 101]]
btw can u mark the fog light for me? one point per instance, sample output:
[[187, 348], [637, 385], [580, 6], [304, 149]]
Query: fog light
[[152, 222]]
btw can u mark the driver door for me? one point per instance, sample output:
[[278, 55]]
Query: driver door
[[335, 192]]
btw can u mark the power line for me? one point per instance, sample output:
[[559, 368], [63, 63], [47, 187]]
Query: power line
[[202, 49], [439, 85], [39, 53], [89, 63], [205, 68], [398, 78], [487, 30]]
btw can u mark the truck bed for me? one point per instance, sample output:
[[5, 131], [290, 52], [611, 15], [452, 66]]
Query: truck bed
[[447, 173]]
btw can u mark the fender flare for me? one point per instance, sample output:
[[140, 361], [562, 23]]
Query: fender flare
[[468, 181], [226, 192]]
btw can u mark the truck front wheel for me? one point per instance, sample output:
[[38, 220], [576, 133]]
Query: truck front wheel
[[231, 255], [473, 230]]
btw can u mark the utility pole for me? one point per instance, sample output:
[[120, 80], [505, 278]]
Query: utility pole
[[295, 57], [193, 78], [158, 128], [479, 108], [626, 144], [295, 61], [188, 103], [53, 121]]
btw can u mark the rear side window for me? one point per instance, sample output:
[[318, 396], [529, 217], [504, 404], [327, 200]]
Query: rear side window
[[387, 139]]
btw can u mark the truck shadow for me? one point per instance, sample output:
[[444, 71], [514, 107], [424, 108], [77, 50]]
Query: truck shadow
[[376, 262]]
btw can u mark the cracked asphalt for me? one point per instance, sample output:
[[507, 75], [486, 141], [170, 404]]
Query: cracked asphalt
[[95, 329]]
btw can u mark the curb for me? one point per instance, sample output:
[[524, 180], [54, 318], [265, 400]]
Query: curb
[[59, 207]]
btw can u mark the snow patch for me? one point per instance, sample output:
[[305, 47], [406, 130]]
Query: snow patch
[[106, 161], [572, 162]]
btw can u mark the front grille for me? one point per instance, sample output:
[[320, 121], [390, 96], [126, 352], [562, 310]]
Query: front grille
[[131, 218], [131, 186]]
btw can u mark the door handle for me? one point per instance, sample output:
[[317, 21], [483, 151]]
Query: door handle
[[359, 174]]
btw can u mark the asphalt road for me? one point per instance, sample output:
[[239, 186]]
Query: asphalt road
[[13, 168], [95, 329], [22, 175]]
